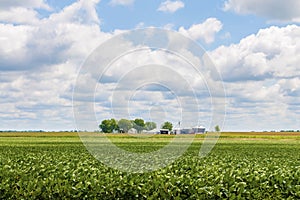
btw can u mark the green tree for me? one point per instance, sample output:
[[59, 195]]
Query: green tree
[[150, 125], [139, 125], [167, 125], [125, 125], [109, 125], [217, 128]]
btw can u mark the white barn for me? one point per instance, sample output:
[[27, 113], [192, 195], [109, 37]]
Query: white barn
[[194, 130]]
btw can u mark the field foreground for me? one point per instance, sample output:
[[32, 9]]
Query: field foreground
[[241, 166]]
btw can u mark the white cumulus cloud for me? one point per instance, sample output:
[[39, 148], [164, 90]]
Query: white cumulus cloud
[[4, 4], [273, 10], [21, 12], [170, 6], [205, 31], [19, 15], [272, 52], [121, 2], [39, 63]]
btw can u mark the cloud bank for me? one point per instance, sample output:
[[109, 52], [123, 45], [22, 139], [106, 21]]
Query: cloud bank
[[40, 58], [261, 75]]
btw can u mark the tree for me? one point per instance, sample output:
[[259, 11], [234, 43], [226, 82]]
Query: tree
[[150, 125], [109, 125], [217, 128], [139, 125], [125, 125], [167, 125]]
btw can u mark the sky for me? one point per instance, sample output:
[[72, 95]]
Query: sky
[[254, 47]]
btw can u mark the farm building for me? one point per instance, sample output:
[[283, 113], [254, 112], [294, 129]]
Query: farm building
[[153, 131], [194, 130], [199, 129], [164, 131], [132, 130]]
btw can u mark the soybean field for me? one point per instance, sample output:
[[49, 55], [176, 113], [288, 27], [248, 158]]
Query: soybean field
[[240, 166]]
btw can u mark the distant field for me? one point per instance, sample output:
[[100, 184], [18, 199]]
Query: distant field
[[42, 165], [222, 135], [257, 134], [264, 135], [38, 134]]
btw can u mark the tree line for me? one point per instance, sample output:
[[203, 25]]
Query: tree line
[[124, 125]]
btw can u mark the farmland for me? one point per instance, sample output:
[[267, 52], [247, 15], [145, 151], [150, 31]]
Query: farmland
[[241, 166]]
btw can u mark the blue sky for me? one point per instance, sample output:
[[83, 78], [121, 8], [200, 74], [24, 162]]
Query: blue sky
[[145, 14], [253, 44]]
